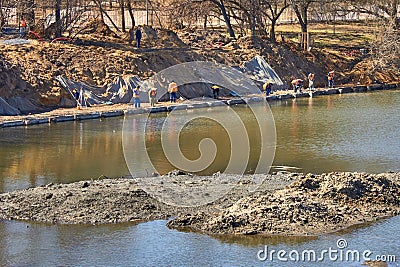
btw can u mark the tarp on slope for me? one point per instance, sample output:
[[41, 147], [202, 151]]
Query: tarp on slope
[[7, 109], [24, 105], [260, 71], [121, 90]]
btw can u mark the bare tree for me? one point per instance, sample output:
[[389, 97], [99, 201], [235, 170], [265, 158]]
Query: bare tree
[[273, 11], [221, 5], [387, 10], [58, 18], [129, 6], [385, 48], [300, 7], [122, 6]]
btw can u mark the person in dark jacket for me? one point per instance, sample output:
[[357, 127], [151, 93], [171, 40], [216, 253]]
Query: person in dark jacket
[[138, 35]]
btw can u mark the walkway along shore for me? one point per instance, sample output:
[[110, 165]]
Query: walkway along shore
[[105, 111]]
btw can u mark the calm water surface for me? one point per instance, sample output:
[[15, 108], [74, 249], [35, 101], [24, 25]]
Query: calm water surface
[[336, 133]]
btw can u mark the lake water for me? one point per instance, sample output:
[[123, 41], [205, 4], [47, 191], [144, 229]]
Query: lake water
[[352, 132]]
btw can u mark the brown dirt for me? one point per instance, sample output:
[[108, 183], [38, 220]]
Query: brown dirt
[[113, 200], [312, 205]]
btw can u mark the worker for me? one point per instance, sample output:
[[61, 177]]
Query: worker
[[331, 78], [136, 97], [138, 35], [173, 91], [215, 89], [22, 28], [152, 96], [267, 88], [81, 99], [311, 77], [297, 85]]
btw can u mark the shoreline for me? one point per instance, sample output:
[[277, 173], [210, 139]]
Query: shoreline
[[286, 204], [117, 110]]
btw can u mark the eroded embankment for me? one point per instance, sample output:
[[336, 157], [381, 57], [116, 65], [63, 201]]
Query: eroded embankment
[[311, 205]]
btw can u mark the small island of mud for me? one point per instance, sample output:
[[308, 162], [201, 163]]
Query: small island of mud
[[285, 204]]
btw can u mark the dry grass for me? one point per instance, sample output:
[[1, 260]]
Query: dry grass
[[334, 36]]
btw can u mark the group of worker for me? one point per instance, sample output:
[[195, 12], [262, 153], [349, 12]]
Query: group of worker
[[297, 84], [173, 94], [172, 90], [266, 88]]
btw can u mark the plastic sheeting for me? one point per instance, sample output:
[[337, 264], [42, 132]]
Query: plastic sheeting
[[260, 71], [16, 41], [121, 90], [19, 105], [7, 109]]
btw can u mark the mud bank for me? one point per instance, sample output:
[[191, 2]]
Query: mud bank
[[118, 200], [285, 204], [105, 111], [312, 205]]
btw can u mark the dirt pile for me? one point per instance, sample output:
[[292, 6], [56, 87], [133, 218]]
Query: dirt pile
[[208, 39], [312, 205], [113, 200], [98, 27], [120, 201], [11, 83]]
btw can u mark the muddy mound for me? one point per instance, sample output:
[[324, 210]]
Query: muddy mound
[[11, 83], [349, 187], [312, 205], [16, 96], [364, 73], [198, 38], [161, 38], [79, 202], [98, 27]]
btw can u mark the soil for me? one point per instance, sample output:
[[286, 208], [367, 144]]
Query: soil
[[99, 55], [312, 205], [116, 200], [285, 204]]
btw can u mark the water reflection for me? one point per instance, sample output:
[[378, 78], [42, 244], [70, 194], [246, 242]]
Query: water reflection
[[352, 132], [61, 153], [153, 244]]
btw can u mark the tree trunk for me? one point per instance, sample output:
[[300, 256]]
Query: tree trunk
[[122, 6], [102, 11], [304, 20], [58, 18], [220, 4], [129, 5], [301, 15], [252, 19], [272, 36]]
